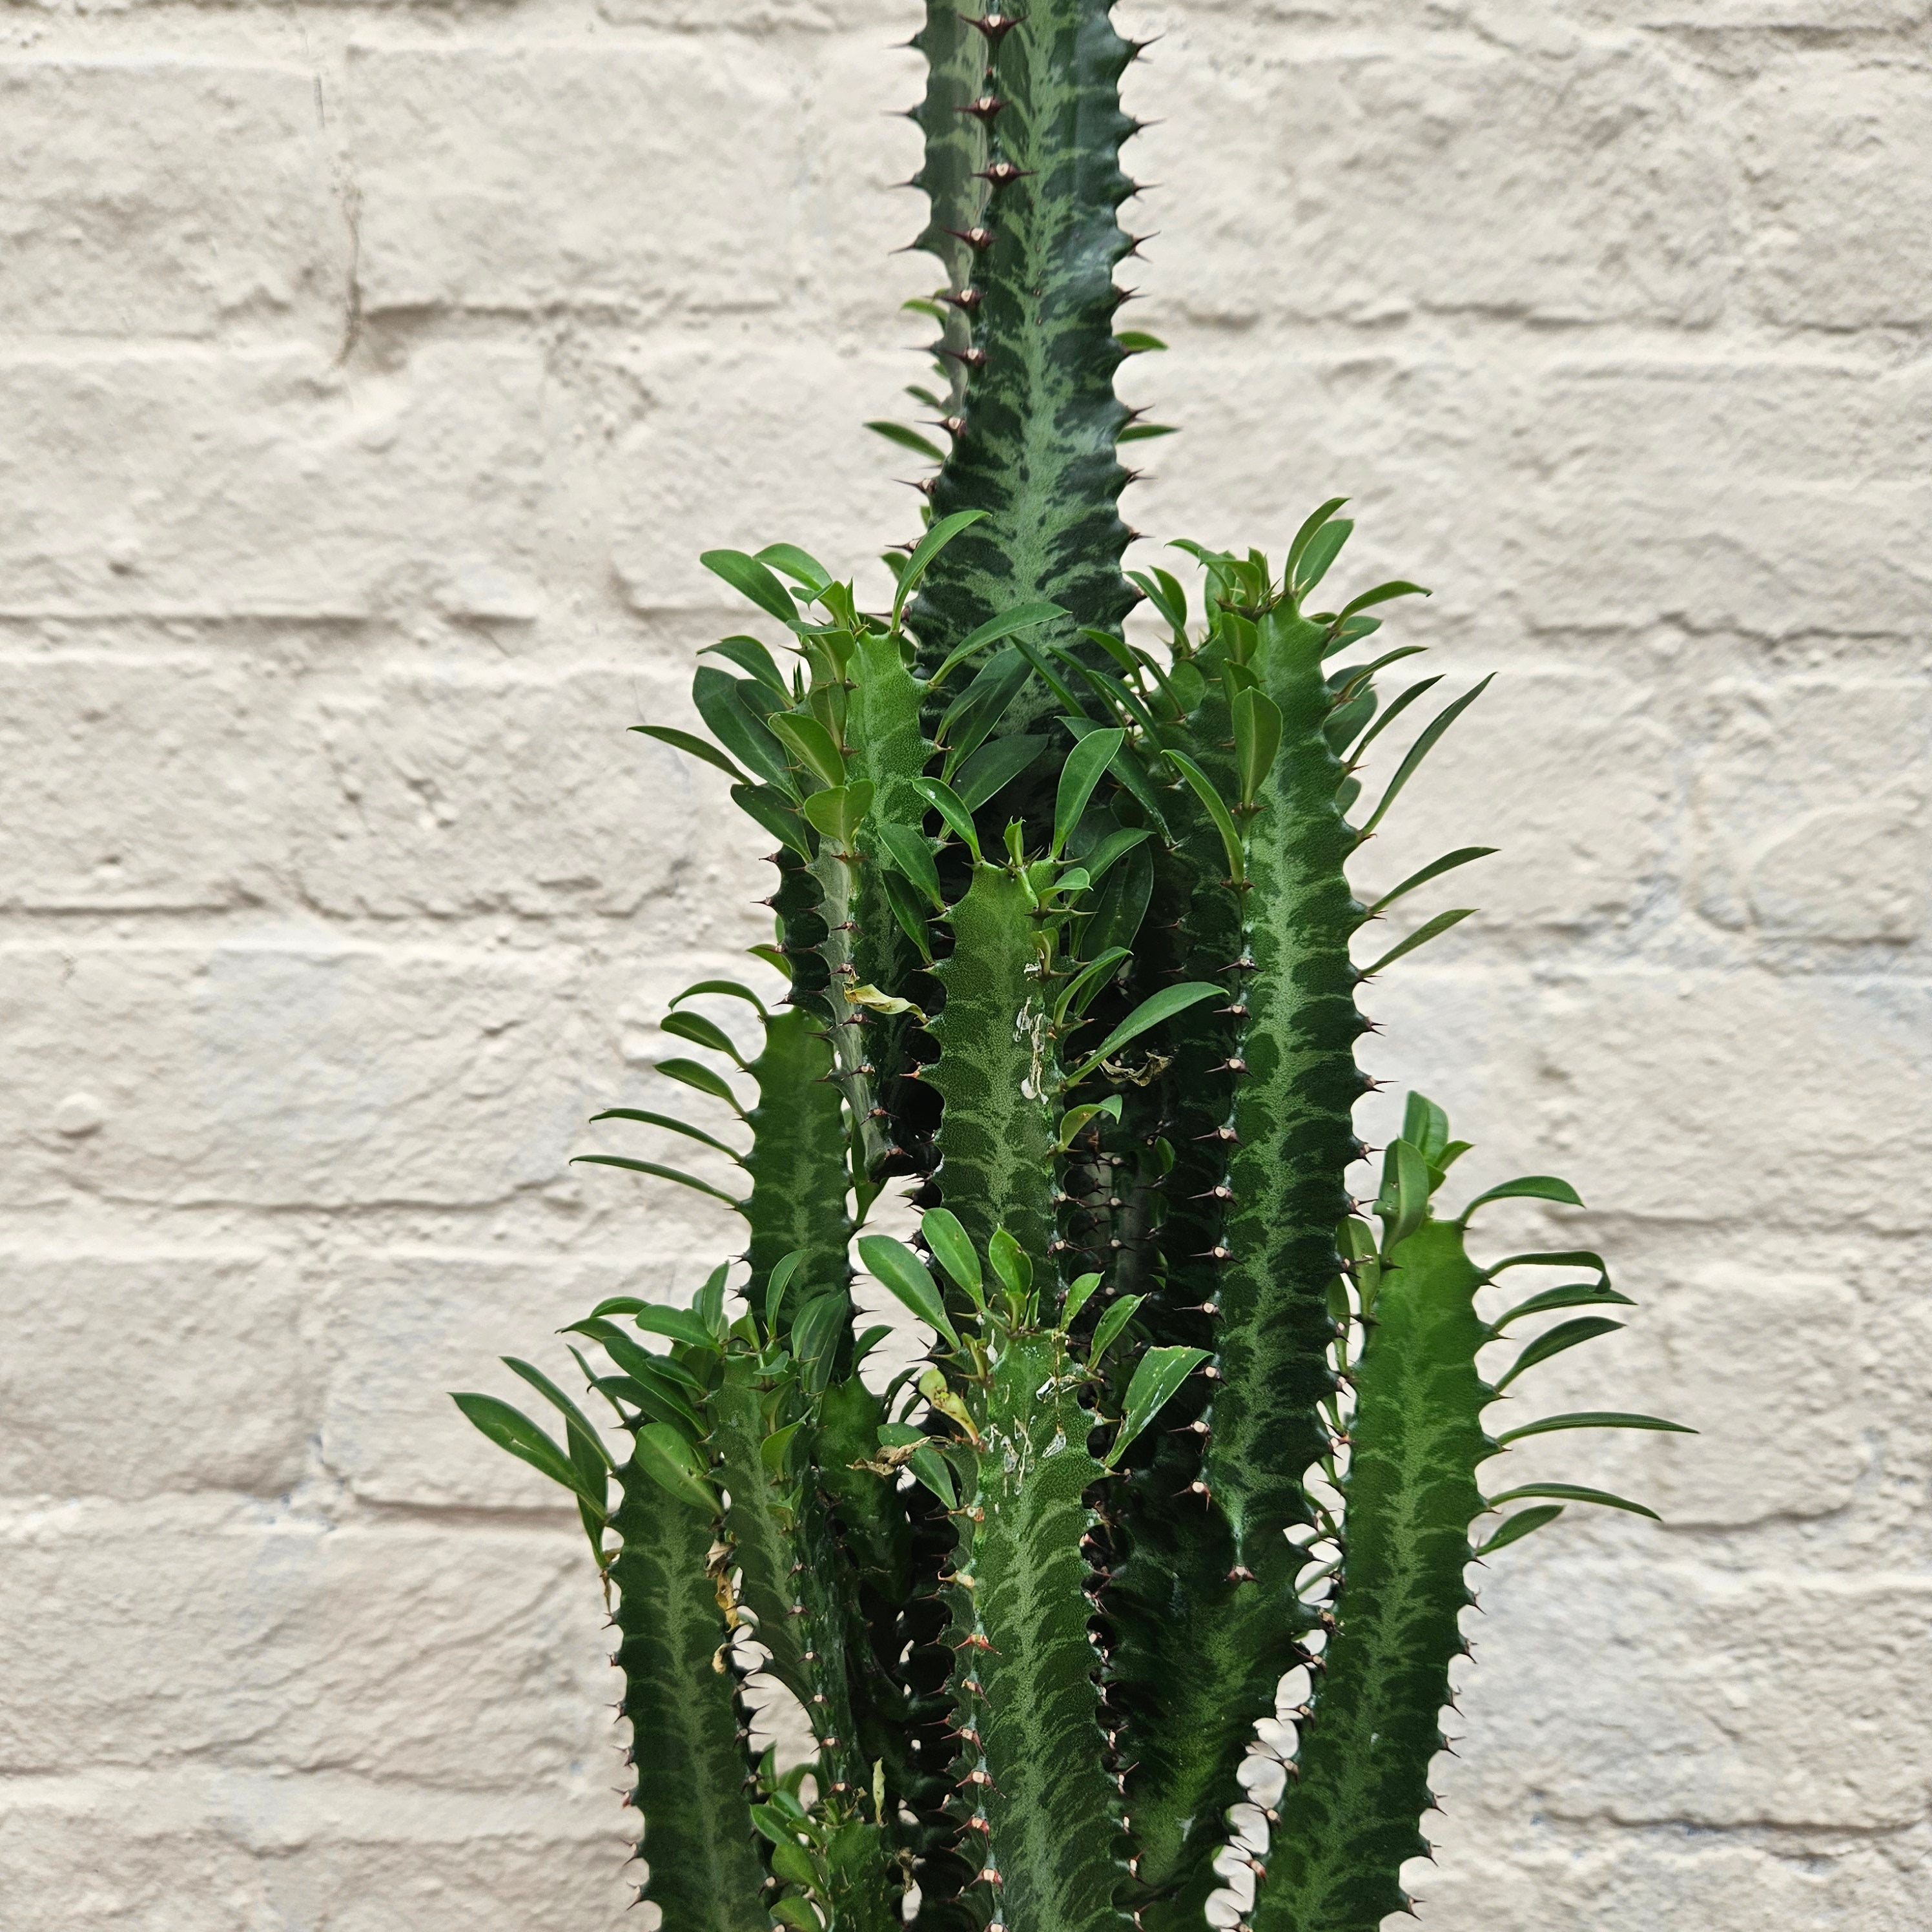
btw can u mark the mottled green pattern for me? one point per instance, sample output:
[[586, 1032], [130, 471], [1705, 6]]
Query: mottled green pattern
[[1294, 1139], [863, 944], [1360, 1779], [1041, 418], [997, 1072], [1043, 1811], [797, 1163], [689, 1766]]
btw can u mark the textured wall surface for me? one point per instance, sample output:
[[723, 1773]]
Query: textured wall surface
[[370, 375]]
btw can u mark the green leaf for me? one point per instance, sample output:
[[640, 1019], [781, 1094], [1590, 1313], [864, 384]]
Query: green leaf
[[1591, 1418], [1115, 846], [769, 807], [790, 1862], [1203, 788], [1581, 1295], [911, 851], [1420, 936], [1079, 1292], [1408, 1201], [1140, 432], [1554, 1341], [946, 802], [679, 1325], [1074, 995], [816, 1334], [1433, 870], [1257, 739], [811, 744], [1150, 1012], [1381, 594], [730, 989], [776, 1284], [1138, 342], [722, 706], [1530, 1187], [928, 548], [701, 1032], [695, 1073], [652, 1167], [683, 741], [1081, 773], [1020, 617], [750, 578], [675, 1126], [797, 563], [896, 1267], [993, 767], [952, 1250], [1305, 535], [908, 910], [775, 1450], [1421, 749], [1157, 1374], [1520, 1525], [1570, 1493], [510, 1429], [794, 1912], [1561, 1258], [839, 811], [1324, 547], [1118, 1314], [561, 1402], [908, 439], [751, 657], [1011, 1263], [1126, 768], [670, 1462], [1075, 1120], [932, 1469]]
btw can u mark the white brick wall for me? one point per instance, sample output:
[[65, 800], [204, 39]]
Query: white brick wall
[[370, 375]]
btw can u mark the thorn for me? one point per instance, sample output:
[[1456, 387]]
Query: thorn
[[995, 26], [968, 299], [985, 110], [1001, 173], [973, 358], [1241, 1574]]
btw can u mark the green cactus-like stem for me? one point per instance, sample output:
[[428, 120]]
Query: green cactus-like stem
[[1034, 1793], [798, 1165], [998, 1072], [679, 1695], [1036, 449], [956, 54], [1359, 1776]]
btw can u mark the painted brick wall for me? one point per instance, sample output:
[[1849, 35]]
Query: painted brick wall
[[369, 376]]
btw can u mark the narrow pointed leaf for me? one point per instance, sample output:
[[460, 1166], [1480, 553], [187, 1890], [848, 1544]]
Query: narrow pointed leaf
[[928, 548], [1118, 1314], [1203, 788], [1324, 547], [1150, 1012], [952, 1250], [1565, 1335], [561, 1402], [1558, 1258], [896, 1267], [1420, 689], [751, 657], [696, 747], [1081, 773], [946, 802], [1593, 1418], [1530, 1187], [1570, 1492], [1157, 1374], [651, 1167], [1519, 1525], [695, 1073], [510, 1429], [1581, 1295], [720, 704], [1079, 1292], [1421, 749], [1257, 739], [1020, 617], [770, 808], [1381, 594], [679, 1325], [701, 1032], [908, 439], [1433, 870], [751, 579], [670, 1121], [673, 1465], [993, 767], [1420, 936], [1305, 535], [811, 744]]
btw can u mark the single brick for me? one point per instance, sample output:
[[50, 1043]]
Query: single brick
[[229, 1380], [156, 196], [186, 483], [517, 178]]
